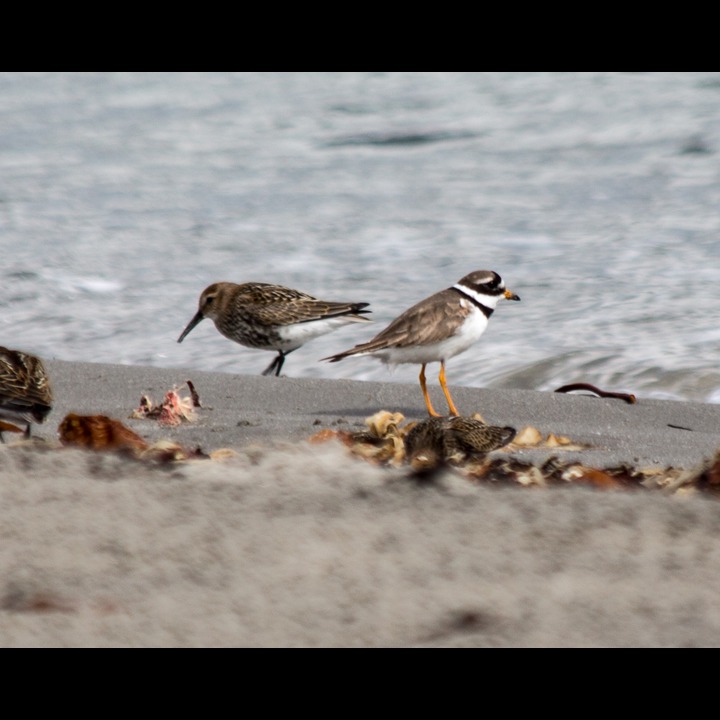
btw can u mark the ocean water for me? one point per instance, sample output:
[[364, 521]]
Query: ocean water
[[595, 195]]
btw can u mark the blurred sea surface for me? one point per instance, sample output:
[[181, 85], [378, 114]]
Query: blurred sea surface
[[595, 195]]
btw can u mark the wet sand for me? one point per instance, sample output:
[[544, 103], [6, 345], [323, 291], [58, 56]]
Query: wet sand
[[288, 543]]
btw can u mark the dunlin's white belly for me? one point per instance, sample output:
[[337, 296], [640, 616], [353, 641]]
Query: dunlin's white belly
[[293, 336]]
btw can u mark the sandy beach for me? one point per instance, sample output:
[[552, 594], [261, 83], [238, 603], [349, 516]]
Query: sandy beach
[[275, 541]]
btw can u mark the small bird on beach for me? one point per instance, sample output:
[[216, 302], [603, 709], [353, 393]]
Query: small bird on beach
[[271, 317], [438, 328], [437, 441], [25, 391]]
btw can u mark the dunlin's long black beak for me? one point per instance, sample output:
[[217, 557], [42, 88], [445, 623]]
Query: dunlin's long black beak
[[508, 294], [198, 317]]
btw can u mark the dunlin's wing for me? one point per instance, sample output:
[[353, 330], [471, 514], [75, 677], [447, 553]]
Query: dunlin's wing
[[268, 304]]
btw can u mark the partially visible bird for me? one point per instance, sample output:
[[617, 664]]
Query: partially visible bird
[[438, 328], [25, 391], [271, 317], [467, 437], [433, 443]]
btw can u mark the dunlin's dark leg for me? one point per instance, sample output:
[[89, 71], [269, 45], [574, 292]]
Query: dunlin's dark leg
[[277, 360], [276, 364]]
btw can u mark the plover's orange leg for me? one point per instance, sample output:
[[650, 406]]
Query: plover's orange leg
[[423, 385], [443, 385]]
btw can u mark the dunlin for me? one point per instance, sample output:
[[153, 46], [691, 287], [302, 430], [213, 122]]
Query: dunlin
[[271, 317]]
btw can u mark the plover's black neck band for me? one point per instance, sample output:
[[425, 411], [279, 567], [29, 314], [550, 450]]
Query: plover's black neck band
[[486, 311]]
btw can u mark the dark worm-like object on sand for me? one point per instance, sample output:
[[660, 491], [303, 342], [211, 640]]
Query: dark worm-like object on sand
[[627, 397]]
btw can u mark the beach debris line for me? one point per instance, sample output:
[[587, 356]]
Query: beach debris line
[[572, 387], [454, 439], [105, 434], [98, 432], [382, 443], [554, 472], [174, 408], [483, 454]]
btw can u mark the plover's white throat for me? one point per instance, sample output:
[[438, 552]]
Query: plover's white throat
[[25, 392], [271, 317], [438, 328]]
